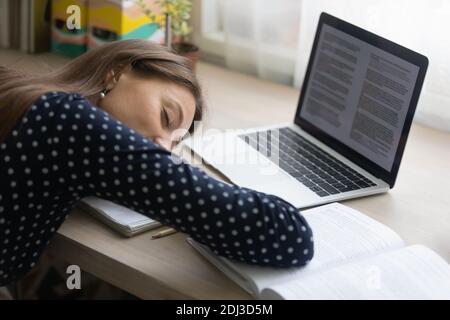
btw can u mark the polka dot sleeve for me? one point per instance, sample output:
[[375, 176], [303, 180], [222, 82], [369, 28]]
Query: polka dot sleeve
[[83, 151]]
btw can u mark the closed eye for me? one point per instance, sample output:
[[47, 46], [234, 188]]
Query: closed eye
[[165, 118], [175, 112]]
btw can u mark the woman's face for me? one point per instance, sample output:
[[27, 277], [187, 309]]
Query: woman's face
[[154, 107]]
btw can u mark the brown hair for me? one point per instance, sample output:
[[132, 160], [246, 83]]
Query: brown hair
[[87, 75]]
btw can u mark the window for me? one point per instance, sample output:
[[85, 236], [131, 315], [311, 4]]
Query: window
[[251, 36]]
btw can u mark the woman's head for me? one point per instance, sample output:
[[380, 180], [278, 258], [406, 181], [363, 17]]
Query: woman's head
[[157, 108], [146, 87]]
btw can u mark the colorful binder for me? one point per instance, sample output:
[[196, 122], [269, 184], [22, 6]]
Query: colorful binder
[[71, 43]]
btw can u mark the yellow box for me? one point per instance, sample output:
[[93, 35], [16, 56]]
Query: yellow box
[[111, 20]]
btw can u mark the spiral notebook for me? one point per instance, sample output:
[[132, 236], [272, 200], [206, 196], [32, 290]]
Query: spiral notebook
[[356, 257], [128, 222]]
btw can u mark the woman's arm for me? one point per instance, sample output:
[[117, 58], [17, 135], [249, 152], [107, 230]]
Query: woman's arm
[[111, 161]]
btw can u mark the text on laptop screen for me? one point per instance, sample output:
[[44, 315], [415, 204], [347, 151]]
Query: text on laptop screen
[[359, 94]]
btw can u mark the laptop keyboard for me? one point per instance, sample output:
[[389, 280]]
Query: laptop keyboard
[[313, 167]]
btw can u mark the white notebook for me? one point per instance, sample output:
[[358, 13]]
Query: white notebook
[[355, 257], [122, 219]]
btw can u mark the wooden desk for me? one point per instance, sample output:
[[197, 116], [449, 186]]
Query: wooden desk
[[418, 208]]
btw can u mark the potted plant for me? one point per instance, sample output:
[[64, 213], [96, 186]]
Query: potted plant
[[174, 17]]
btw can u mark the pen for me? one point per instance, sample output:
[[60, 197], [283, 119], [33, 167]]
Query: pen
[[164, 233]]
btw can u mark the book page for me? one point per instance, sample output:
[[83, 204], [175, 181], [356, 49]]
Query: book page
[[341, 234], [415, 272]]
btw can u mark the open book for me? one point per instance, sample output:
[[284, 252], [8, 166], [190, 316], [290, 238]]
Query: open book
[[355, 257], [128, 222]]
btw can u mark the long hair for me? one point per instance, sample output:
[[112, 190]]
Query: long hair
[[87, 75]]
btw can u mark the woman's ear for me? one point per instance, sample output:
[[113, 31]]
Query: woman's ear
[[113, 77]]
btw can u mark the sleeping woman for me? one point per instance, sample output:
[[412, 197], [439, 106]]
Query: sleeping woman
[[104, 125]]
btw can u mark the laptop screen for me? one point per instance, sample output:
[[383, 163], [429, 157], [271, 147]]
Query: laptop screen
[[359, 92]]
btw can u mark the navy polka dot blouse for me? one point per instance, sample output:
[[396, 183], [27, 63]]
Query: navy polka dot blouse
[[64, 149]]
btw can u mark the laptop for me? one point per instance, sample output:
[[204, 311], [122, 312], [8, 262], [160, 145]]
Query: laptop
[[347, 139]]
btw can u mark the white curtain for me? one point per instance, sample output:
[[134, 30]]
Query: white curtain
[[273, 39], [261, 37]]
